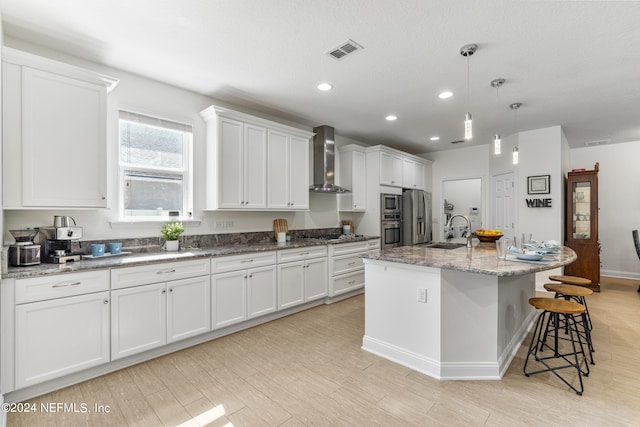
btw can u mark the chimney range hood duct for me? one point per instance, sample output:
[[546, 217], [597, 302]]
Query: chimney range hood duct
[[324, 161]]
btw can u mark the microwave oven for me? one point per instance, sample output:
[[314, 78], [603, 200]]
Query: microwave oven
[[390, 204]]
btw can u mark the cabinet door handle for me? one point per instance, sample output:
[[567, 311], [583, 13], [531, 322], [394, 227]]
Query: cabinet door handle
[[170, 289], [173, 270], [246, 261], [164, 291], [250, 276], [64, 285], [103, 198], [105, 301]]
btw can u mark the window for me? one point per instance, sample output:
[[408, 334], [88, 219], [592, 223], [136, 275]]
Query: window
[[155, 167]]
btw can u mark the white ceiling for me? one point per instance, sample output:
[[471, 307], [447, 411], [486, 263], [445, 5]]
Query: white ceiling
[[571, 63]]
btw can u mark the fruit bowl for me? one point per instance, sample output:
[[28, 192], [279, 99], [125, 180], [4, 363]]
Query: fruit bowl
[[488, 235]]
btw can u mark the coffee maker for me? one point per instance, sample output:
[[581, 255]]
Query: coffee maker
[[57, 242], [24, 251]]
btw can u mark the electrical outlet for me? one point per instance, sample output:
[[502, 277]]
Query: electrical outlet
[[422, 295]]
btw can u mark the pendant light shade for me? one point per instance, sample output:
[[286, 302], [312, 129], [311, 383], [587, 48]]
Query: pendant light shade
[[497, 149], [466, 51], [468, 126], [515, 155]]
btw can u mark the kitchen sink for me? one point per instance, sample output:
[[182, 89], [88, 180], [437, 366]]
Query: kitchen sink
[[443, 245]]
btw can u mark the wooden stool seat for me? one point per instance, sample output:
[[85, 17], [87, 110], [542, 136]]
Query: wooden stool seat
[[569, 290], [571, 280], [556, 305]]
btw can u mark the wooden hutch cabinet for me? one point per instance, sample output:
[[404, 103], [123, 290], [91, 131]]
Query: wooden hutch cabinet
[[582, 225]]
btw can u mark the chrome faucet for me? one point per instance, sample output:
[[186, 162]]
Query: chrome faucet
[[468, 224]]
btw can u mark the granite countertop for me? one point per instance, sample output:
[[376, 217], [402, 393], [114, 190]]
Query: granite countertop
[[480, 259], [141, 258]]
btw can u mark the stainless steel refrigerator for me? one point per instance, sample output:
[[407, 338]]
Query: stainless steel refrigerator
[[416, 217]]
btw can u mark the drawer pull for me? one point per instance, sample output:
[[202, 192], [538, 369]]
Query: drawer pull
[[64, 285], [352, 263], [351, 282], [173, 270], [246, 261], [304, 253]]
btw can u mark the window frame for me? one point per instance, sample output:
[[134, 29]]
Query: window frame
[[186, 172]]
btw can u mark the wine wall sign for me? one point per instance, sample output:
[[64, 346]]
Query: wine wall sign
[[539, 184]]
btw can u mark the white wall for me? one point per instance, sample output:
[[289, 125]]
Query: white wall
[[459, 163], [152, 97], [619, 203]]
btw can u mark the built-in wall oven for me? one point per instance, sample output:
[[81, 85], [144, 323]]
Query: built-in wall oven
[[390, 220]]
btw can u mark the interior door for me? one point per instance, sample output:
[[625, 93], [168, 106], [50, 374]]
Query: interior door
[[504, 204]]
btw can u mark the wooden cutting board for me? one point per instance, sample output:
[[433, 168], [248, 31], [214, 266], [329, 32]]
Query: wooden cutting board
[[279, 226]]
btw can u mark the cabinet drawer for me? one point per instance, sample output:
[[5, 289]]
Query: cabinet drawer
[[347, 283], [61, 285], [156, 273], [373, 244], [224, 264], [300, 254], [348, 248], [346, 264]]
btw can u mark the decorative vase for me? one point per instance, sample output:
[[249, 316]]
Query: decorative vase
[[171, 245]]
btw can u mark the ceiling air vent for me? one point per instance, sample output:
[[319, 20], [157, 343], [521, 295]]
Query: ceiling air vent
[[344, 49], [593, 143]]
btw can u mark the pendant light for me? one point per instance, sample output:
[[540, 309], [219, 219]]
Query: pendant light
[[514, 107], [497, 142], [466, 51]]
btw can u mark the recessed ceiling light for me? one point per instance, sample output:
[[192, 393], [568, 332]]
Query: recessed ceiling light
[[446, 94], [324, 87], [435, 138], [391, 118]]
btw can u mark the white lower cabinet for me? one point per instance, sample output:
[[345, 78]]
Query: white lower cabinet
[[243, 293], [303, 278], [149, 316], [156, 304], [61, 325], [138, 319], [346, 266], [61, 336]]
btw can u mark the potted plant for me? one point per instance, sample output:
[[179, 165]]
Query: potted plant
[[170, 233]]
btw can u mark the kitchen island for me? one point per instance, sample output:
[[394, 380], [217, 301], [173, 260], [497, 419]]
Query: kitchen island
[[450, 313]]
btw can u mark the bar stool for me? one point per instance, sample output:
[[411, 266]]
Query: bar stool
[[571, 280], [578, 294], [576, 281], [553, 308]]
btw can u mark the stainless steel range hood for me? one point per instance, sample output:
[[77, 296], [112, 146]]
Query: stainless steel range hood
[[324, 161]]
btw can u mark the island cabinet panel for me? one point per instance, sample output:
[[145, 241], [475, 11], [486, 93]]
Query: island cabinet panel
[[582, 225]]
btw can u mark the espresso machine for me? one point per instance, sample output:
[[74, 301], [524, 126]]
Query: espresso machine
[[57, 242]]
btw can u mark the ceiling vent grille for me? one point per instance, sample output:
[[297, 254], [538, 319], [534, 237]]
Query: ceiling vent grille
[[344, 49], [594, 143]]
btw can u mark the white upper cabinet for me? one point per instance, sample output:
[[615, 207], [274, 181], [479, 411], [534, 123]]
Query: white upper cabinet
[[54, 134], [413, 174], [254, 163], [288, 164], [399, 169], [242, 169], [390, 169], [353, 177]]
